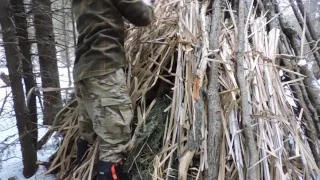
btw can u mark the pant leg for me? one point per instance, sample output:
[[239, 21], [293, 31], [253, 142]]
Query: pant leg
[[84, 120], [111, 114]]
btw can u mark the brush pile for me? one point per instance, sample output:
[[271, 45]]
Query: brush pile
[[167, 80]]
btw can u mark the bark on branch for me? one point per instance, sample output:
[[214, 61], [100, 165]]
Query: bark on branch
[[253, 168], [215, 128]]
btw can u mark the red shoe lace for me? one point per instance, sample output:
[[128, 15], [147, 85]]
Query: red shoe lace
[[113, 170]]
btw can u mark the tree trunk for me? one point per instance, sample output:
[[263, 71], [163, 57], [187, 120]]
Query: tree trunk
[[313, 8], [20, 18], [309, 22], [29, 153], [215, 127], [310, 81], [301, 101], [66, 43], [310, 114], [47, 58], [308, 33]]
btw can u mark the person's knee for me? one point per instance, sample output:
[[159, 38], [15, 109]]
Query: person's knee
[[113, 146]]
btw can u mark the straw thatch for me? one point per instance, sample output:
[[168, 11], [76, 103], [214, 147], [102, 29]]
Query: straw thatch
[[172, 141]]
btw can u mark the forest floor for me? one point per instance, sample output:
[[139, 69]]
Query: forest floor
[[10, 154]]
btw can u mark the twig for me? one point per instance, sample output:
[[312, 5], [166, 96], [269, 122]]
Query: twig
[[4, 102]]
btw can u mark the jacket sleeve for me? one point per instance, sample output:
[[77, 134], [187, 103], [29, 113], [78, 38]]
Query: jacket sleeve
[[135, 11]]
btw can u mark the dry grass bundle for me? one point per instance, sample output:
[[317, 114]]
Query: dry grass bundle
[[177, 45]]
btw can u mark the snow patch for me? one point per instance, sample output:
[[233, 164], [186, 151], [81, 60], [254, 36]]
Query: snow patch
[[10, 149]]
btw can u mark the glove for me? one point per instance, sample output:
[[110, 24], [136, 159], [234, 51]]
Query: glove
[[148, 2]]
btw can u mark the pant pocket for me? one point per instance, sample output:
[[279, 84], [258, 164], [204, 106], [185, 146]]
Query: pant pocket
[[127, 116], [117, 115]]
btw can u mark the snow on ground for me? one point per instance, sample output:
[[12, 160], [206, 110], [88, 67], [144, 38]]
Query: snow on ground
[[10, 153]]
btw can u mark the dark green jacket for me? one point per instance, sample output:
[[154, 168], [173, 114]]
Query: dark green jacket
[[100, 27]]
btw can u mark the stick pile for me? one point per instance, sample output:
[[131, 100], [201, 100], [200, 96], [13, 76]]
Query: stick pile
[[177, 45]]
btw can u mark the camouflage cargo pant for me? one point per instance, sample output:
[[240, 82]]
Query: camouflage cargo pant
[[105, 113]]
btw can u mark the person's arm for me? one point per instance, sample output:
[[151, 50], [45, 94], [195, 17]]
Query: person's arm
[[138, 12]]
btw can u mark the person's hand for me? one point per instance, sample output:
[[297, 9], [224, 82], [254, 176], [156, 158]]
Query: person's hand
[[148, 2]]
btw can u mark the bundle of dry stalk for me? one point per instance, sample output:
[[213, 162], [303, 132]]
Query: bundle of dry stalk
[[177, 45]]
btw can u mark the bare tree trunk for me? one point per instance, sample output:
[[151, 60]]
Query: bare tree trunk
[[66, 44], [253, 172], [297, 91], [73, 29], [20, 17], [47, 58], [308, 22], [312, 90], [310, 115], [308, 81], [14, 64], [307, 33], [314, 13], [215, 127], [313, 8]]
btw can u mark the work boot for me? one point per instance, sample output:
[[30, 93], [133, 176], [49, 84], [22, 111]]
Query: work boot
[[82, 149], [111, 171]]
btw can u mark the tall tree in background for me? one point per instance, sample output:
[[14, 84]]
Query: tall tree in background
[[47, 58], [14, 64], [20, 18]]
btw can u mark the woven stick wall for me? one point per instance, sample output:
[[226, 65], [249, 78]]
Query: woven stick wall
[[177, 44]]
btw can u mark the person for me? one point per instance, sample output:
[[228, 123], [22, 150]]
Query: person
[[105, 108]]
